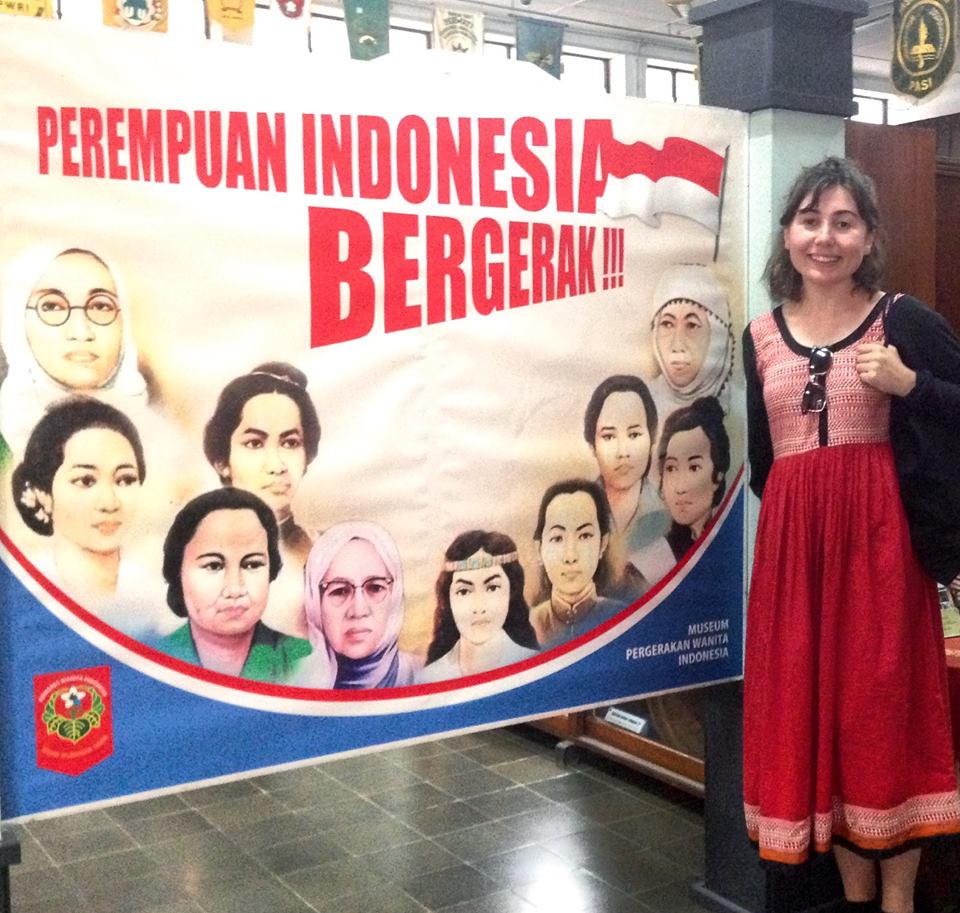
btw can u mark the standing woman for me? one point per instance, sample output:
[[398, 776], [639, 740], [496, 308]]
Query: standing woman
[[263, 435], [847, 739]]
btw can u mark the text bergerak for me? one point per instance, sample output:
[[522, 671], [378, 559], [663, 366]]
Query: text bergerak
[[487, 162]]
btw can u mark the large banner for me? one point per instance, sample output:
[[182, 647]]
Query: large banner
[[347, 407]]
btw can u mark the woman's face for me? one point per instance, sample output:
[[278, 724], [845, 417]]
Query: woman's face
[[96, 490], [73, 322], [688, 482], [354, 600], [225, 573], [622, 444], [682, 338], [267, 455], [572, 543], [827, 241], [479, 600]]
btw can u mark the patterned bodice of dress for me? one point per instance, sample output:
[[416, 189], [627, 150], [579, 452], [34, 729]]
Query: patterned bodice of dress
[[854, 413]]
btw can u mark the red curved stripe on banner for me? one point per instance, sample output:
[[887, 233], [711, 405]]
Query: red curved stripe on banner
[[380, 694], [679, 158]]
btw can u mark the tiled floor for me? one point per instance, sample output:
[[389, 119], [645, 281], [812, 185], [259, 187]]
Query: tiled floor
[[485, 823]]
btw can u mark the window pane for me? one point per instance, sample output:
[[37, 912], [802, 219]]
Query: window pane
[[495, 49], [405, 41], [584, 72], [869, 110], [688, 89], [328, 38], [659, 84], [274, 30]]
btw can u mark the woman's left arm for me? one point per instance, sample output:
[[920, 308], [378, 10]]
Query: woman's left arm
[[920, 364]]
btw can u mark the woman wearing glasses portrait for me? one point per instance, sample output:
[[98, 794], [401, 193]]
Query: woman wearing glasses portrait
[[219, 559], [353, 595], [482, 620], [847, 740], [65, 329]]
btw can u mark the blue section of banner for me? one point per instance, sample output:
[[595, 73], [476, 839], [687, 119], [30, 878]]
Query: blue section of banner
[[164, 736]]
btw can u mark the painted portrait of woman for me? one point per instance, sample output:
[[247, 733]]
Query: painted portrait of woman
[[692, 338], [482, 620], [353, 596], [693, 456], [620, 426], [219, 559], [65, 329], [572, 535], [263, 435], [79, 484]]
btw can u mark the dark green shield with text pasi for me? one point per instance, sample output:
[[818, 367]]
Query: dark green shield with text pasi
[[923, 44]]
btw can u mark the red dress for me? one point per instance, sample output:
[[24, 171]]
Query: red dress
[[846, 715]]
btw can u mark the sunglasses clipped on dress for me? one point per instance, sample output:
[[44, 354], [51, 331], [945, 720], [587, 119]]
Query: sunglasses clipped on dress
[[815, 393]]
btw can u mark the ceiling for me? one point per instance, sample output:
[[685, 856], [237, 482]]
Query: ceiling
[[655, 23]]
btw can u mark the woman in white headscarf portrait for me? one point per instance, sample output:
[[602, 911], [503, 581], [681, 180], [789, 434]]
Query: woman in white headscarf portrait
[[691, 338], [65, 329]]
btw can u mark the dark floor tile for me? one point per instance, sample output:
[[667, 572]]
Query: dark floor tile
[[322, 884], [361, 838], [505, 803], [257, 895], [147, 808], [284, 779], [481, 840], [338, 767], [300, 854], [531, 770], [306, 794], [643, 872], [32, 855], [206, 857], [117, 867], [593, 842], [376, 780], [240, 812], [400, 862], [41, 885], [569, 786], [475, 782], [221, 792], [68, 824], [609, 805], [521, 866], [674, 898], [420, 795], [549, 821], [443, 818], [420, 750], [471, 739], [148, 892], [280, 828], [655, 829], [500, 752], [356, 810], [499, 902], [382, 899], [147, 831], [99, 842], [451, 764], [688, 853], [448, 886], [570, 892]]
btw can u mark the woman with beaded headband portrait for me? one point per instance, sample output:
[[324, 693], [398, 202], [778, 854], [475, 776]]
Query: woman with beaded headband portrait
[[572, 537], [354, 600], [79, 484], [65, 328], [263, 435], [691, 337], [482, 620]]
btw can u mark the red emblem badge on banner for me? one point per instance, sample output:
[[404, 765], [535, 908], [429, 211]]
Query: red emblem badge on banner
[[73, 719]]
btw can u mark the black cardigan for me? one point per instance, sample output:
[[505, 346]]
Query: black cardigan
[[924, 432]]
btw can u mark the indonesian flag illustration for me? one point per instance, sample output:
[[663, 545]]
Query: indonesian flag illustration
[[684, 178]]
